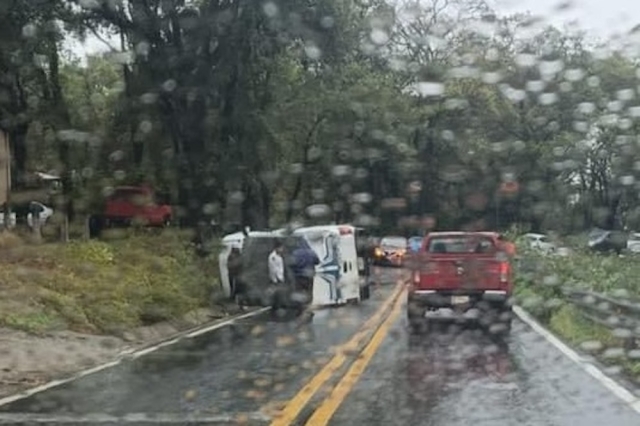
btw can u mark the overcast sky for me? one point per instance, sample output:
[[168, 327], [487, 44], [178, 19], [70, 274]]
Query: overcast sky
[[601, 18]]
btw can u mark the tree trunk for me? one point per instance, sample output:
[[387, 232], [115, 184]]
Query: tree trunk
[[18, 146]]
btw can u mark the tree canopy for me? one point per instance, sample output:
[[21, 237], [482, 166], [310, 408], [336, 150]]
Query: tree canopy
[[379, 113]]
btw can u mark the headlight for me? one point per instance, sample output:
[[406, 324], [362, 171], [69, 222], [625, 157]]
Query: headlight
[[378, 252]]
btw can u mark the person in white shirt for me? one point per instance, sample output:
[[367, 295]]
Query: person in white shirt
[[276, 264]]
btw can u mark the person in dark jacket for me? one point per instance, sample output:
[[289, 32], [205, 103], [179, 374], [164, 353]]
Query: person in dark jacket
[[234, 263], [304, 270]]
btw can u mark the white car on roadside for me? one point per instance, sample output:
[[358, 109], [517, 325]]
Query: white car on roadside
[[45, 213], [633, 243], [541, 243]]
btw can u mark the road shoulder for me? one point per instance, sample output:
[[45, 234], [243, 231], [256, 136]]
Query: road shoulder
[[32, 361]]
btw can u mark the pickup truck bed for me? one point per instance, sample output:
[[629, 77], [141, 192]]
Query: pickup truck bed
[[462, 272]]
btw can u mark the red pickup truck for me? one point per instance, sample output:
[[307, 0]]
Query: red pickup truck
[[128, 204], [466, 272]]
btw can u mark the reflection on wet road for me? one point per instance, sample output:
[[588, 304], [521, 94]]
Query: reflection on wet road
[[247, 372], [455, 377]]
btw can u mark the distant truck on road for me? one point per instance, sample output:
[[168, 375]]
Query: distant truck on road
[[465, 273], [128, 205]]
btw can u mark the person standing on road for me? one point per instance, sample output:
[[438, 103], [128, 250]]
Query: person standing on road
[[304, 270], [276, 264], [278, 292], [234, 264]]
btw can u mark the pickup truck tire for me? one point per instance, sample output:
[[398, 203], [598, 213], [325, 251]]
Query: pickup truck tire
[[416, 319], [498, 320]]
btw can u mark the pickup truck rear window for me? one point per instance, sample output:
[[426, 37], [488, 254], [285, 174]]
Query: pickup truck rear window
[[461, 244]]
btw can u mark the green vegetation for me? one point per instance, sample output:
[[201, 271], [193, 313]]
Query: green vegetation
[[292, 103], [539, 289], [102, 286]]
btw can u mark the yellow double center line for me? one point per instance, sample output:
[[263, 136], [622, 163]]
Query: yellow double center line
[[323, 414]]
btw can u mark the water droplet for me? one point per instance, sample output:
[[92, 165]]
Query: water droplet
[[625, 94], [318, 210], [362, 198], [613, 353], [379, 36], [119, 175], [614, 106], [448, 135], [622, 333], [550, 67], [491, 77], [565, 87], [535, 86], [551, 280], [116, 155], [327, 22], [169, 85], [312, 51], [493, 54], [90, 4], [426, 88], [548, 98], [575, 74], [148, 98], [593, 81], [588, 107], [341, 170], [145, 126], [270, 9], [142, 48], [29, 30], [464, 72], [525, 60]]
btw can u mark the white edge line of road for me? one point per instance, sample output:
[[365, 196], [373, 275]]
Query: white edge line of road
[[616, 388], [131, 418], [128, 354]]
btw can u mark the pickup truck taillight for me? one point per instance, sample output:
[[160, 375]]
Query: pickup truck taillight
[[504, 272], [427, 268]]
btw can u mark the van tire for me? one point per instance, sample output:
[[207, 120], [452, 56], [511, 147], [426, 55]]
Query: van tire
[[365, 292]]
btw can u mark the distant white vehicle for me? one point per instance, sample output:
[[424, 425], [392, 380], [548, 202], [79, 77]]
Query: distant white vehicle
[[633, 243], [540, 242], [235, 240], [45, 214], [12, 220]]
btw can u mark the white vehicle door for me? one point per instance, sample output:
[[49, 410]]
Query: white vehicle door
[[326, 288], [350, 280], [228, 242]]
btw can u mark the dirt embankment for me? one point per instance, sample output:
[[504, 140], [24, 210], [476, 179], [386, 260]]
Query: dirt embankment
[[29, 360], [68, 307]]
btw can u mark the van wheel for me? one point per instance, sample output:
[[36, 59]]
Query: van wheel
[[365, 292], [498, 320]]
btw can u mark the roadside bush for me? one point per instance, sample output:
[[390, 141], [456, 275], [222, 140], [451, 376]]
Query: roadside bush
[[103, 286], [542, 283]]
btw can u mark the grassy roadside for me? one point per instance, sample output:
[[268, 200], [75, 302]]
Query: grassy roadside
[[102, 287], [539, 289]]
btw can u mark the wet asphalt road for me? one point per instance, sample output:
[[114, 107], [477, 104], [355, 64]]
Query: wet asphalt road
[[246, 372]]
